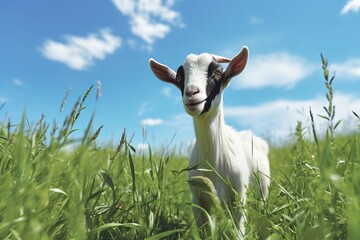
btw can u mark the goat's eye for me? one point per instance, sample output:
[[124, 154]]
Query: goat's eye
[[218, 74]]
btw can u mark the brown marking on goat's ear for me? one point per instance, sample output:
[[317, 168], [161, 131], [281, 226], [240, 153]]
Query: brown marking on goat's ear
[[163, 72], [236, 65]]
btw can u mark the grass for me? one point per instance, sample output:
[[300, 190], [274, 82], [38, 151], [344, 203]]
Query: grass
[[111, 192]]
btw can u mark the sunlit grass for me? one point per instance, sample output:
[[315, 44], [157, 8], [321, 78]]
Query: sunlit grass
[[55, 187]]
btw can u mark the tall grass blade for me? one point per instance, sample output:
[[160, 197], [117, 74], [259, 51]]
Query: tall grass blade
[[163, 234], [116, 225], [132, 169]]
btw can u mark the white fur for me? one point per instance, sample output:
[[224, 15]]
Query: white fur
[[236, 156]]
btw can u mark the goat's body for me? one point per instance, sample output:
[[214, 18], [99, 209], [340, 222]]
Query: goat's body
[[235, 156], [256, 154]]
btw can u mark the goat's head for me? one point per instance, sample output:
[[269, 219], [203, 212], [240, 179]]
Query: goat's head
[[201, 79]]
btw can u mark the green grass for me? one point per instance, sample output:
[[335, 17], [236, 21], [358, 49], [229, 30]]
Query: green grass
[[111, 192]]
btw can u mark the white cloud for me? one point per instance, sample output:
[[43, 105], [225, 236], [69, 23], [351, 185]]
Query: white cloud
[[159, 9], [276, 69], [80, 52], [176, 128], [348, 69], [127, 7], [142, 147], [147, 30], [17, 82], [180, 121], [278, 118], [152, 122], [149, 19], [351, 6]]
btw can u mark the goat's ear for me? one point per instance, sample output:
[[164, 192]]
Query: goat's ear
[[163, 72], [236, 65]]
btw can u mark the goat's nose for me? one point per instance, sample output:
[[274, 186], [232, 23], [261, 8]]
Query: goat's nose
[[191, 91]]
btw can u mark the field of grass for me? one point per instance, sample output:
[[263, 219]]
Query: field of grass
[[112, 192]]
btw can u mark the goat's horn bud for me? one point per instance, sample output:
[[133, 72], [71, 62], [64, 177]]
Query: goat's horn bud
[[221, 59]]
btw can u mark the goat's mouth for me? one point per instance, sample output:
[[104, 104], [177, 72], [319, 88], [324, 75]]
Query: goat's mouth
[[193, 104]]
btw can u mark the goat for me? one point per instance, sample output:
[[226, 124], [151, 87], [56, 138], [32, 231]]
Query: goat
[[235, 156]]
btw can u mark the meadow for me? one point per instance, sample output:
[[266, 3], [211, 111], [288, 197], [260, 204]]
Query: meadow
[[97, 191]]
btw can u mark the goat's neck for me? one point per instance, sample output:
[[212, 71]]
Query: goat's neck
[[209, 132]]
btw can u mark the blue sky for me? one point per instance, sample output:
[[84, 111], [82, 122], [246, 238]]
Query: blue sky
[[48, 47]]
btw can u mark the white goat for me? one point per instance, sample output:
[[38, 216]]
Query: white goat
[[235, 156]]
